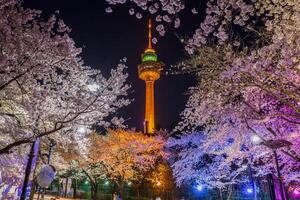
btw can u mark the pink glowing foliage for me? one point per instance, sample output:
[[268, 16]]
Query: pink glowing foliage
[[243, 90], [45, 88]]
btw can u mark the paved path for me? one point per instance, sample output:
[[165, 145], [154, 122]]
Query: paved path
[[49, 197]]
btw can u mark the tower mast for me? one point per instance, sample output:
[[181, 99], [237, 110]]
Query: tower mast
[[149, 34], [149, 71]]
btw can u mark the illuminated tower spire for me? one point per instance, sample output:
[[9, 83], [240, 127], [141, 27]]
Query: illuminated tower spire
[[149, 71], [149, 34]]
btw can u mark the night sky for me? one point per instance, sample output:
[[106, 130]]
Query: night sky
[[108, 37]]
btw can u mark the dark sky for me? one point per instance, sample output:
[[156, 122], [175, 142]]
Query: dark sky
[[106, 38]]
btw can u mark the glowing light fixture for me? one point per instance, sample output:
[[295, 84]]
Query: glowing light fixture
[[249, 190], [158, 183], [256, 139], [82, 129], [244, 167], [199, 187]]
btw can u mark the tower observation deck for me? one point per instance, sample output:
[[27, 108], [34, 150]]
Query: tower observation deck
[[149, 71]]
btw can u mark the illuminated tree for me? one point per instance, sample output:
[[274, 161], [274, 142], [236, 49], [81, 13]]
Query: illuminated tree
[[119, 156], [44, 86], [161, 178], [247, 93], [194, 165], [234, 102]]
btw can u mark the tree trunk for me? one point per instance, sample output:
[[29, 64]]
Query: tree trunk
[[229, 192], [66, 189], [138, 192], [94, 191], [27, 172], [121, 190], [221, 194], [75, 188], [255, 191], [271, 186]]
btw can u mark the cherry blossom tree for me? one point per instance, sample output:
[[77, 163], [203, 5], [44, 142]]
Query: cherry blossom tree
[[120, 156], [193, 164], [165, 12], [237, 100], [46, 90], [45, 87], [247, 93]]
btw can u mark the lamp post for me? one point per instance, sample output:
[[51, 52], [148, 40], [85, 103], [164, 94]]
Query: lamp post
[[274, 145], [52, 143]]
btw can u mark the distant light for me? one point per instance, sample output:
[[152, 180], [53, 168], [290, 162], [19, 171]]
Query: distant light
[[86, 182], [82, 129], [244, 166], [93, 87], [106, 182], [256, 139], [199, 187], [158, 183], [129, 183], [249, 190]]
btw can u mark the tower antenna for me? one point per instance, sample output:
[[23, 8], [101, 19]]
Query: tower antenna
[[149, 34]]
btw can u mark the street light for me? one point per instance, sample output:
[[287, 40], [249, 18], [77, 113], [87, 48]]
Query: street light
[[249, 190], [273, 145], [52, 144], [256, 139], [199, 187], [158, 183]]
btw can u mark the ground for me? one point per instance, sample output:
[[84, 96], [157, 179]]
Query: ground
[[49, 197]]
